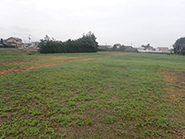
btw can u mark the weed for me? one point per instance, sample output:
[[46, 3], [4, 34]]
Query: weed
[[89, 122], [110, 119]]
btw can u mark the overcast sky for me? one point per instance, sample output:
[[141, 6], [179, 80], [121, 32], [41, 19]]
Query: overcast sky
[[136, 22]]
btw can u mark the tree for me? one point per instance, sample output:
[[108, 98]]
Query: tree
[[1, 41], [47, 38], [114, 48], [92, 36], [183, 51], [145, 46], [179, 45], [122, 48]]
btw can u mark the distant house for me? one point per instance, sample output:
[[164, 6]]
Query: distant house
[[13, 41], [140, 48], [104, 47], [35, 44], [128, 47], [1, 46], [171, 50], [32, 45], [164, 49], [150, 48], [117, 45], [7, 46]]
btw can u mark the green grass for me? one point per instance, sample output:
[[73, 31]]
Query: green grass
[[117, 97]]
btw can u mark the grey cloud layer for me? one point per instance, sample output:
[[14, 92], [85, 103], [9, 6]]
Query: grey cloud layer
[[139, 22]]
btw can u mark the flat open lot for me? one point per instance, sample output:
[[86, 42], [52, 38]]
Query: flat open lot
[[91, 95]]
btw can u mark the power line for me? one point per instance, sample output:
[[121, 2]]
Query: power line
[[6, 30], [16, 33], [13, 32]]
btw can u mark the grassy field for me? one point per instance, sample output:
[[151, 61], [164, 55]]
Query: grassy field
[[91, 95]]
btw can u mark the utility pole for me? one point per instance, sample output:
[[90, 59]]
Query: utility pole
[[29, 38]]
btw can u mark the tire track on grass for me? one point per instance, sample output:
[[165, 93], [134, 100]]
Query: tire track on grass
[[25, 68], [34, 60]]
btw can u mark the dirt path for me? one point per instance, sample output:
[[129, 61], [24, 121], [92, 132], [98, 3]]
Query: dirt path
[[24, 68]]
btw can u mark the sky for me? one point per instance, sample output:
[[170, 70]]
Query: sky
[[129, 22]]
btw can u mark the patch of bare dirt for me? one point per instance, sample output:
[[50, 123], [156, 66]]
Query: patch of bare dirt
[[176, 93], [177, 79]]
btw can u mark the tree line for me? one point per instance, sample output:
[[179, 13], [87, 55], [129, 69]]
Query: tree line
[[87, 43]]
